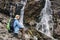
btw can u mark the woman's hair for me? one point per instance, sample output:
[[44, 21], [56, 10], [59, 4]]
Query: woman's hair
[[17, 16]]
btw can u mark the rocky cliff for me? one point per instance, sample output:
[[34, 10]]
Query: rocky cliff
[[32, 12]]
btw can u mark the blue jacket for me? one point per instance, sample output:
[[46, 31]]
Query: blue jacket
[[17, 26]]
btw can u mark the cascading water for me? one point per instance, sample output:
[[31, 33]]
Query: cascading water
[[46, 20], [23, 2]]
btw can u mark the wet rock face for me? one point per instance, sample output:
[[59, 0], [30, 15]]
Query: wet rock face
[[56, 15], [33, 9]]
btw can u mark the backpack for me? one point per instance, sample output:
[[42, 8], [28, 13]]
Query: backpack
[[10, 25]]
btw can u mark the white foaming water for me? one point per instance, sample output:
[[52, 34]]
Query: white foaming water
[[46, 20], [23, 2]]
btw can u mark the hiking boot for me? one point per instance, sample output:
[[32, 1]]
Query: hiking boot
[[16, 35], [10, 31]]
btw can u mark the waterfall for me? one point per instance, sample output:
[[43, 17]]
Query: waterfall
[[45, 26], [46, 17], [23, 2]]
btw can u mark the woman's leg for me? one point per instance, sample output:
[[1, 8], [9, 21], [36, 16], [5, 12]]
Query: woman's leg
[[16, 31]]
